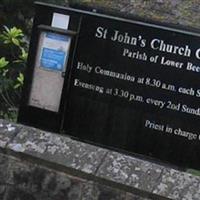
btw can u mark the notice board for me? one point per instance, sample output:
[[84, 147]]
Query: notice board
[[128, 84]]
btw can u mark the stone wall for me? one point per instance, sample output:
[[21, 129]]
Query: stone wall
[[180, 12], [38, 165]]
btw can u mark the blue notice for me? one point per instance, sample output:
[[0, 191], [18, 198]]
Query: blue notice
[[58, 37], [52, 59]]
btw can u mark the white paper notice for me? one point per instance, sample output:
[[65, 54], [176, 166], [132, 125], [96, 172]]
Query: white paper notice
[[60, 21], [51, 62]]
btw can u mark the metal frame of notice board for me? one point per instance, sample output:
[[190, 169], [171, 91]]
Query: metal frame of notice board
[[31, 110]]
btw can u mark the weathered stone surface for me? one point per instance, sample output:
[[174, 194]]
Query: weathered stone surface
[[2, 191], [150, 177], [107, 170], [36, 182], [59, 149], [7, 132], [89, 191], [3, 169], [13, 193], [183, 12], [93, 191], [178, 185], [28, 181], [130, 171], [135, 197]]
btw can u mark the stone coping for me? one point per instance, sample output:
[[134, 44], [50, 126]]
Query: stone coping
[[97, 164]]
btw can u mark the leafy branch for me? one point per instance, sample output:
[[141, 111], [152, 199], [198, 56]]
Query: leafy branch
[[12, 67]]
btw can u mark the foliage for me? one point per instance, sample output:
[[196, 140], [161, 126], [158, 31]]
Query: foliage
[[193, 172], [13, 50], [12, 65]]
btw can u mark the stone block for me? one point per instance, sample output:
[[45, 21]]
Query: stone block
[[41, 182], [95, 191], [7, 132], [178, 185], [13, 193], [58, 149], [130, 196], [130, 171], [31, 181]]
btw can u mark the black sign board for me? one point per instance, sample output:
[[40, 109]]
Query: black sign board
[[129, 85]]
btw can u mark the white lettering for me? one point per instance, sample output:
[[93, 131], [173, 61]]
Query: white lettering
[[160, 45]]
